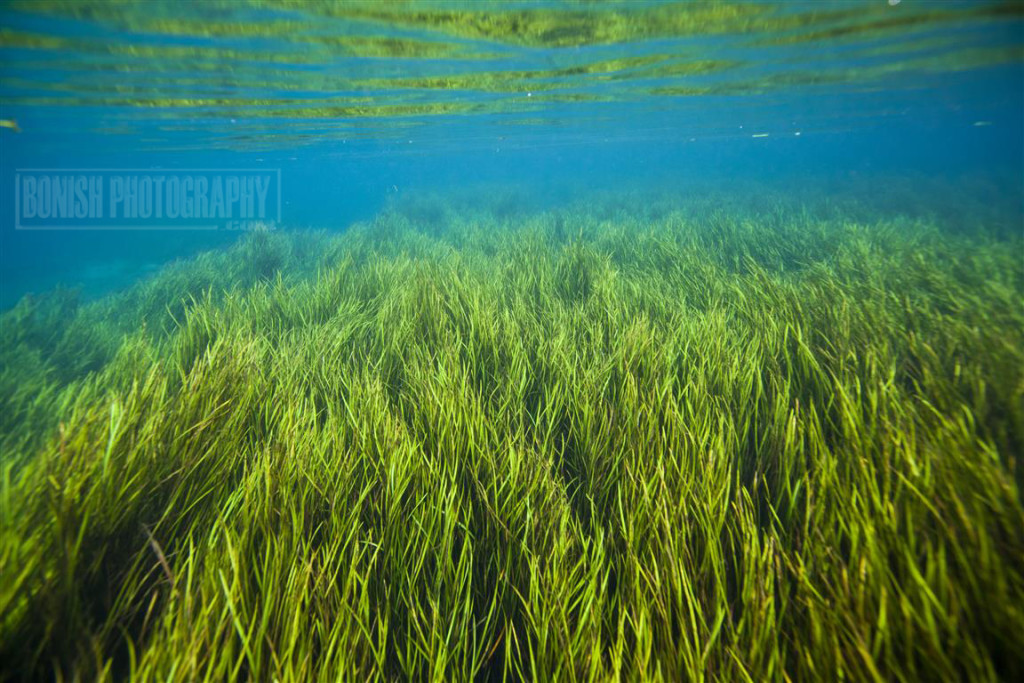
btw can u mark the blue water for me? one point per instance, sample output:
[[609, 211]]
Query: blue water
[[851, 97]]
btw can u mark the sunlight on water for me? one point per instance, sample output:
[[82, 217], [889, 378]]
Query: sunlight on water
[[287, 66]]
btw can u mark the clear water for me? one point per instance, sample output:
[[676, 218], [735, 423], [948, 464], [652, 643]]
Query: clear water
[[635, 341], [359, 102]]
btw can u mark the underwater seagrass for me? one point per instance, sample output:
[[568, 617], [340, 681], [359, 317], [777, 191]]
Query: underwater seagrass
[[722, 440]]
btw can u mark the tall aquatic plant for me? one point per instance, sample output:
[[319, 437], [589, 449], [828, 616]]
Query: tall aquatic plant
[[665, 448]]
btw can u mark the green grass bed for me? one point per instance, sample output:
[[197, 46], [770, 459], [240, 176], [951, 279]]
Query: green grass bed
[[704, 441]]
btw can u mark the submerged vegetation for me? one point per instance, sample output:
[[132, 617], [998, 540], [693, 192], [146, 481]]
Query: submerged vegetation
[[690, 443]]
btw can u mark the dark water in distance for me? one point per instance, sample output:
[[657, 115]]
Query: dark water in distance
[[360, 103]]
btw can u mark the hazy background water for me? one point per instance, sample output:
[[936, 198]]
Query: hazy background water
[[360, 103]]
